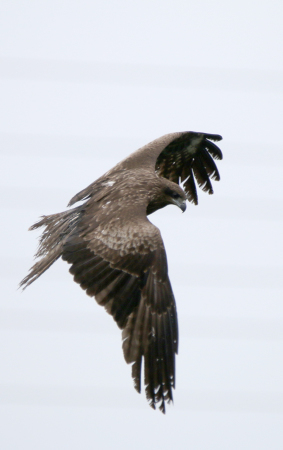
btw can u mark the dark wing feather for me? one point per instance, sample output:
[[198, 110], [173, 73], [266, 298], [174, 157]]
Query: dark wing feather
[[152, 333], [209, 164], [134, 288], [201, 175], [190, 151], [190, 188]]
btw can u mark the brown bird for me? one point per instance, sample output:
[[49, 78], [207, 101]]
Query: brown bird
[[117, 255]]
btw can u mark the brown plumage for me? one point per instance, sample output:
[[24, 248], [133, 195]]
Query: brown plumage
[[117, 255]]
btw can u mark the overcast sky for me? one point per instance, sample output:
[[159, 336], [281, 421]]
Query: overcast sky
[[82, 85]]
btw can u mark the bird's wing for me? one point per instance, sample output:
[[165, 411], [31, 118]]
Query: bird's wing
[[181, 157], [189, 157], [122, 263]]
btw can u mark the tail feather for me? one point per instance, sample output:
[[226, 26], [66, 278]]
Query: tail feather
[[57, 228]]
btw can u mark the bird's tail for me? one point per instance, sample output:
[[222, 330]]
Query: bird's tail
[[57, 228]]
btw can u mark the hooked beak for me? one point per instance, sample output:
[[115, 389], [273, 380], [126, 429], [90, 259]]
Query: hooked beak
[[181, 204]]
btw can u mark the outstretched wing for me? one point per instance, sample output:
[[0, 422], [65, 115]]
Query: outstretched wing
[[189, 157], [181, 157], [123, 265]]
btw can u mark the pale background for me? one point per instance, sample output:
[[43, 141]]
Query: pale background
[[83, 84]]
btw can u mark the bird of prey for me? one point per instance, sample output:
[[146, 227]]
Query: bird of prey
[[117, 255]]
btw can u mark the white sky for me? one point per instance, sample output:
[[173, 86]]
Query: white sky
[[83, 84]]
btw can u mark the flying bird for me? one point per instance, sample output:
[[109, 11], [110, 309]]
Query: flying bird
[[117, 255]]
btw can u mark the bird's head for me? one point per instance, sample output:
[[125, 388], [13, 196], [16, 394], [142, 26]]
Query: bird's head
[[165, 193], [176, 196]]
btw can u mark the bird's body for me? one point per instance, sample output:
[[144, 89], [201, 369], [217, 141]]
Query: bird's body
[[117, 255]]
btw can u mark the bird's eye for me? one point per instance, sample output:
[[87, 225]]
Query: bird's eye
[[171, 193]]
